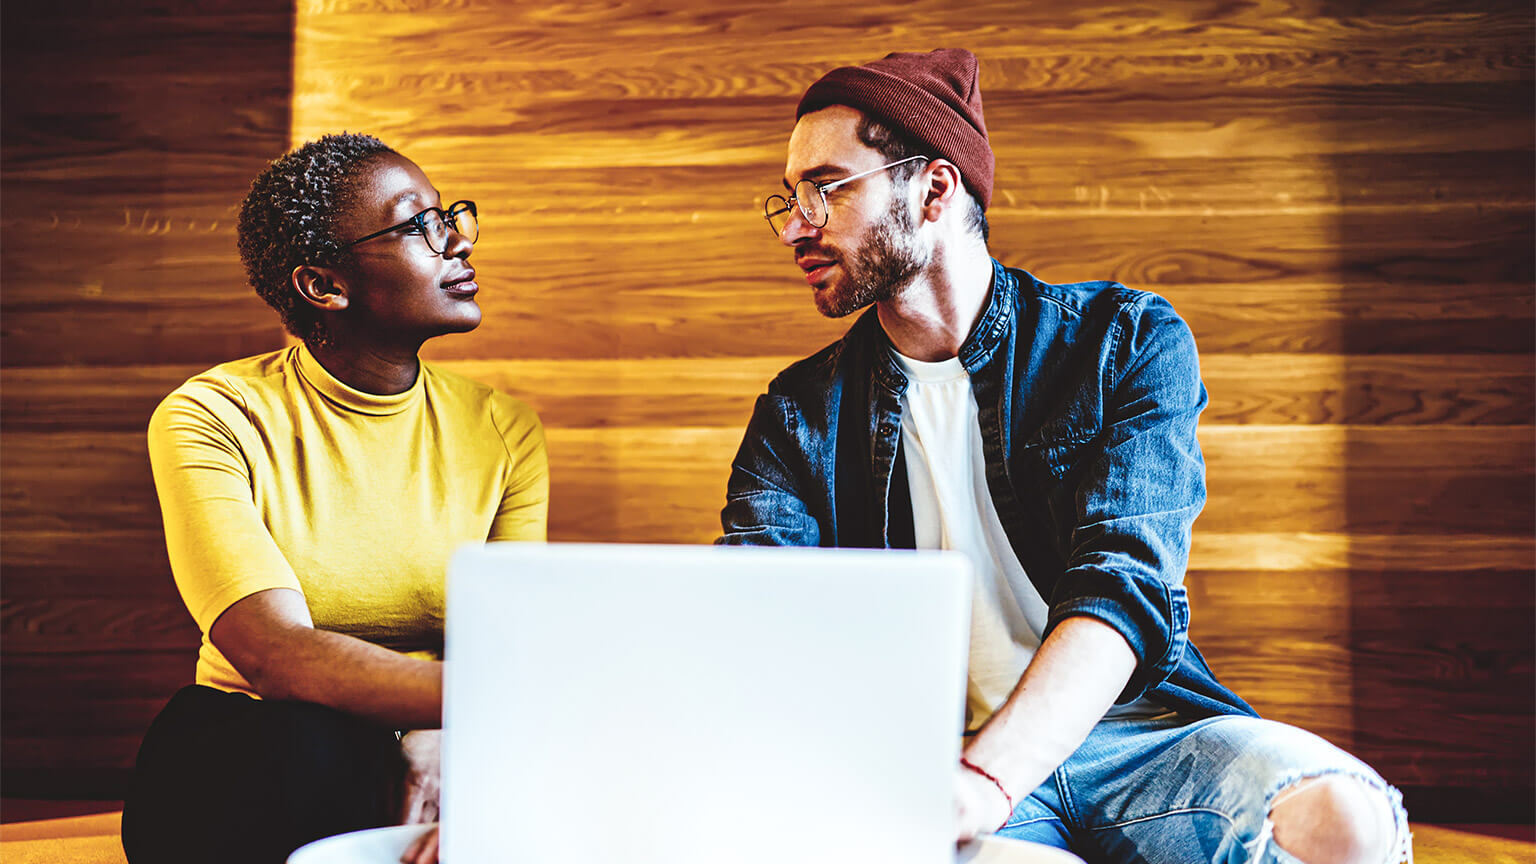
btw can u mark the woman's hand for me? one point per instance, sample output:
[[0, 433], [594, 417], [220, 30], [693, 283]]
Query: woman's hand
[[423, 850], [423, 752]]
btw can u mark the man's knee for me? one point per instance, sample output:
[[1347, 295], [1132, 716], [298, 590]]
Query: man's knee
[[1335, 819]]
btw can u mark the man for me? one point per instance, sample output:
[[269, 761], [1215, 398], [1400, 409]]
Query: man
[[1049, 432]]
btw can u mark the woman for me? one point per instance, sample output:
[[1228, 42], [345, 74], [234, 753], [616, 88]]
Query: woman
[[312, 497]]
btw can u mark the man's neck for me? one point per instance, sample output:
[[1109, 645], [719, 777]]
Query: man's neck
[[933, 316]]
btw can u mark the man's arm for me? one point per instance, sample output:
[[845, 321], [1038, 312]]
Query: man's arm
[[1119, 618], [764, 505], [1049, 713]]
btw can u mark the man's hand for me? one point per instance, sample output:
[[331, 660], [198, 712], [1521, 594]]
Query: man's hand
[[423, 752], [980, 807], [423, 850]]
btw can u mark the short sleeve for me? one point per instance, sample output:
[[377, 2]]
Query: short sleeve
[[524, 510], [219, 547]]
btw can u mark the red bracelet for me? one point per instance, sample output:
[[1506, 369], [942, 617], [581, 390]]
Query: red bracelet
[[995, 782]]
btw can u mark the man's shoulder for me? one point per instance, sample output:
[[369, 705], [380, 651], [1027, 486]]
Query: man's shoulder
[[1088, 299], [812, 377]]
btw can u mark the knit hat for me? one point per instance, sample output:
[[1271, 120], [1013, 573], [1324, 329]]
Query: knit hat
[[933, 98]]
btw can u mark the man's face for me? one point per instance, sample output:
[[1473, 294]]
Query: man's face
[[868, 251]]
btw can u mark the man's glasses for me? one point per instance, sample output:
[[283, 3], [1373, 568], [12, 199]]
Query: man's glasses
[[811, 198], [433, 224]]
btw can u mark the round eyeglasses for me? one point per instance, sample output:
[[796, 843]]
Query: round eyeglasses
[[433, 224], [811, 198]]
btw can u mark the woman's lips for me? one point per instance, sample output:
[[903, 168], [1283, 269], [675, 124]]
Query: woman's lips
[[466, 287]]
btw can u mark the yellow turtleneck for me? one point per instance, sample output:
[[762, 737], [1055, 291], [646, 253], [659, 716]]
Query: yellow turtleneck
[[274, 474]]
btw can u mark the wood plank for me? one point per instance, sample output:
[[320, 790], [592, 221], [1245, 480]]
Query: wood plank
[[1288, 663], [1369, 390], [1362, 448], [719, 391], [104, 694], [1263, 389], [1181, 41], [108, 332], [72, 563], [1253, 549], [53, 624], [1211, 122], [86, 398], [1355, 318], [1265, 247], [668, 483], [769, 315], [1407, 746], [131, 565], [719, 68], [1228, 593], [1351, 183]]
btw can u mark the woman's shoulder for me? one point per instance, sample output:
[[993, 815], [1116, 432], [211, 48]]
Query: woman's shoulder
[[457, 393], [228, 387]]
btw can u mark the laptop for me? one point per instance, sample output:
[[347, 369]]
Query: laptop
[[692, 704]]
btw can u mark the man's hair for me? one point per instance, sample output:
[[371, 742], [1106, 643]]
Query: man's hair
[[895, 146], [288, 219]]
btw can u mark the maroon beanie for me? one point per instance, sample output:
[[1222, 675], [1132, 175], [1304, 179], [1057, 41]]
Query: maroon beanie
[[933, 98]]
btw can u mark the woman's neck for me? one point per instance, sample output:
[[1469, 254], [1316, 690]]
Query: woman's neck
[[380, 371]]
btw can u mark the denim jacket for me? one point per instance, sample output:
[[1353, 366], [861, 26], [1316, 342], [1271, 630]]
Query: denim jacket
[[1087, 397]]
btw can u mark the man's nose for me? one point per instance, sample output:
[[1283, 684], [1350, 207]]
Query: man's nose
[[797, 228]]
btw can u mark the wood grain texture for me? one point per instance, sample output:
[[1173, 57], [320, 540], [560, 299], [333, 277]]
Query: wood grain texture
[[130, 133], [1337, 197], [1284, 478], [1244, 389]]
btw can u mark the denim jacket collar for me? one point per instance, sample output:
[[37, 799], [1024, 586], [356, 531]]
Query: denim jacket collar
[[987, 334], [996, 319]]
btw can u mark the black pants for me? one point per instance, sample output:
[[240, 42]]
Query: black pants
[[222, 777]]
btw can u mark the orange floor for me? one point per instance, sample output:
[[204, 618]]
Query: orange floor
[[92, 839]]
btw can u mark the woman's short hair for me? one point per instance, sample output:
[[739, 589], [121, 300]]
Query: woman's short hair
[[288, 219]]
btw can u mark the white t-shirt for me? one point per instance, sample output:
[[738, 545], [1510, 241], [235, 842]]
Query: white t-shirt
[[952, 509]]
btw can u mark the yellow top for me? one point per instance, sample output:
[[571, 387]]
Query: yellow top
[[273, 474]]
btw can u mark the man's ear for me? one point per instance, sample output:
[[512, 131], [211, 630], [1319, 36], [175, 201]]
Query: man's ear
[[321, 287], [941, 187]]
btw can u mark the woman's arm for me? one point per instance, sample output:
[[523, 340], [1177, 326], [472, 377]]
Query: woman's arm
[[239, 586], [270, 640]]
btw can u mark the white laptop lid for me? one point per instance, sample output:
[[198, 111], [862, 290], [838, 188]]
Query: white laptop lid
[[609, 703]]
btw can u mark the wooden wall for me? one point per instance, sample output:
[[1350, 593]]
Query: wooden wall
[[131, 131], [1337, 196]]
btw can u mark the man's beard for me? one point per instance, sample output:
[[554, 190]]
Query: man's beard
[[880, 269]]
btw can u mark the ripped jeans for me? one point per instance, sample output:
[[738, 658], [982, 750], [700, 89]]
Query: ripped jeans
[[1161, 790]]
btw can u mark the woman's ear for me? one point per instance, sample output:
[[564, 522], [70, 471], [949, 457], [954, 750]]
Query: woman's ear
[[321, 287]]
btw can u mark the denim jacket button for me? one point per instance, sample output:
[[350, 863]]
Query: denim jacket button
[[886, 429]]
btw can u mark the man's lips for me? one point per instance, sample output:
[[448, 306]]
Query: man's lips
[[463, 285], [816, 269]]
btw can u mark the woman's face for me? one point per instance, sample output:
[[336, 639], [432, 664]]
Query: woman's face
[[399, 291]]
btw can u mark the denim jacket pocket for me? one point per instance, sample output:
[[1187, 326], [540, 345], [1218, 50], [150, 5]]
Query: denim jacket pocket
[[1059, 445]]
